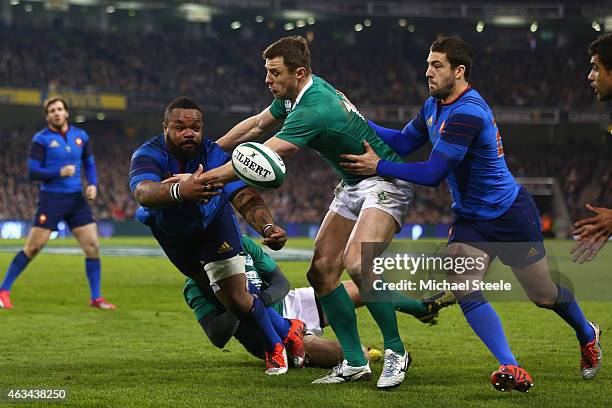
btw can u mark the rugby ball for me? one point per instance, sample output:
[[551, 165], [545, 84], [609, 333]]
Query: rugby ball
[[258, 165]]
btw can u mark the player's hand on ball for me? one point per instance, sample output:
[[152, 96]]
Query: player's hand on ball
[[275, 237], [91, 192], [193, 188], [68, 170], [364, 164]]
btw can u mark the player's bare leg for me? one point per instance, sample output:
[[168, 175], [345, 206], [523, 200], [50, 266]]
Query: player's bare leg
[[327, 261], [375, 225], [542, 291], [324, 276], [37, 239], [483, 319], [87, 236]]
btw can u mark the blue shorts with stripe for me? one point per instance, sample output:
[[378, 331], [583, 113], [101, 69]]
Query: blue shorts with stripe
[[54, 207], [515, 236]]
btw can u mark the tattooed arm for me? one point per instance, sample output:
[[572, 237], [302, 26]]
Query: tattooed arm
[[253, 208]]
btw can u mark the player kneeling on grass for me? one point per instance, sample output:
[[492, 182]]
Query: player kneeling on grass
[[195, 225], [268, 283]]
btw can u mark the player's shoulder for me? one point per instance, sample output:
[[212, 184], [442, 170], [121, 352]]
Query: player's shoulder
[[79, 132], [41, 135], [471, 103], [152, 147], [320, 90]]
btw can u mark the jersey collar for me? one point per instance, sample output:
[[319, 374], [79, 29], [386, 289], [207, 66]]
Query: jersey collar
[[466, 90], [304, 89]]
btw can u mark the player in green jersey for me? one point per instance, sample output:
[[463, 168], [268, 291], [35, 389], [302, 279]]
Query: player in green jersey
[[366, 209], [302, 304]]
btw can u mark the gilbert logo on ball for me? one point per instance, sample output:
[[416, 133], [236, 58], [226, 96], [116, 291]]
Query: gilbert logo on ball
[[258, 165]]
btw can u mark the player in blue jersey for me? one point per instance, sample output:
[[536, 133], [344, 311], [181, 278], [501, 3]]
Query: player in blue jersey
[[593, 232], [57, 155], [489, 206], [196, 227]]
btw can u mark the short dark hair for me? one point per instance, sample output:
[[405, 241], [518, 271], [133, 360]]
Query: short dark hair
[[602, 46], [458, 52], [294, 51], [181, 102], [49, 101]]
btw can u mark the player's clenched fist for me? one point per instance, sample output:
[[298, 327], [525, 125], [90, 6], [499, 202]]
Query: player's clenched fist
[[68, 170], [274, 237]]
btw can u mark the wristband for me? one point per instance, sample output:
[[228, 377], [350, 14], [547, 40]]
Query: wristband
[[175, 193], [265, 228]]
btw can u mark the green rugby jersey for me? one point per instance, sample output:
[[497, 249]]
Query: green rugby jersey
[[327, 122], [256, 263]]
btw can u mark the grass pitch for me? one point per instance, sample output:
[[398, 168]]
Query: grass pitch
[[152, 352]]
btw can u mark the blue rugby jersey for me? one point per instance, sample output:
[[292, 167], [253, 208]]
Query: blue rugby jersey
[[464, 132], [51, 150], [152, 161]]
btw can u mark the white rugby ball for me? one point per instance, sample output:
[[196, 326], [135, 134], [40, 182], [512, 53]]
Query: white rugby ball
[[258, 165]]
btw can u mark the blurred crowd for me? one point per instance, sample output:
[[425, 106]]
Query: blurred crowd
[[214, 69], [582, 171], [208, 67]]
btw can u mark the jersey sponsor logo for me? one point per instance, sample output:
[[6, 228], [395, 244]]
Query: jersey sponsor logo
[[42, 218], [54, 143], [224, 248], [287, 105], [78, 141], [430, 121]]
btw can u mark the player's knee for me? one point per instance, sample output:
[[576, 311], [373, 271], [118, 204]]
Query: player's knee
[[353, 267], [544, 303], [32, 249], [92, 249], [320, 277], [238, 302]]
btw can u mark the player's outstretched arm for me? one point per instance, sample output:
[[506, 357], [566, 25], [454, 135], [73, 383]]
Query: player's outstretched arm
[[591, 234], [278, 287], [429, 173], [252, 207], [403, 142], [282, 147], [153, 194], [249, 129]]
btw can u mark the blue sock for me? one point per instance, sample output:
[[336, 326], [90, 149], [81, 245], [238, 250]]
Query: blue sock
[[259, 313], [94, 273], [281, 325], [568, 309], [486, 324], [19, 263]]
